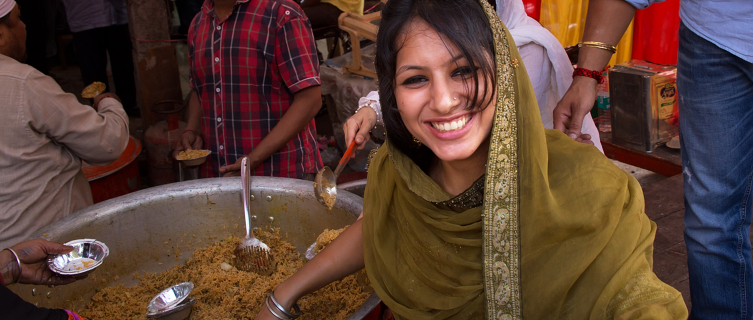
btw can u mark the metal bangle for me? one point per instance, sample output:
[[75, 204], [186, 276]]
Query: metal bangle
[[600, 45], [274, 313], [296, 309], [18, 261]]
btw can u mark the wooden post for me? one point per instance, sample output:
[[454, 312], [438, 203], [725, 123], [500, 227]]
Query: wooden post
[[157, 76]]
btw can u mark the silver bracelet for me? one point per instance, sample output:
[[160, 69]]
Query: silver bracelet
[[374, 105], [296, 309], [286, 315], [18, 261]]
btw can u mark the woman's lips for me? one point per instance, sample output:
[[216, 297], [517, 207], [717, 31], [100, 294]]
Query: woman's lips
[[447, 130]]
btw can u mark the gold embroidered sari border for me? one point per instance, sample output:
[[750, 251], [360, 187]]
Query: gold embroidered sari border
[[501, 235]]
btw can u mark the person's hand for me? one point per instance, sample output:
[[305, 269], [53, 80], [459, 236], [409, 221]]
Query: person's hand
[[33, 256], [234, 170], [585, 138], [190, 140], [264, 314], [100, 97], [359, 126], [575, 104]]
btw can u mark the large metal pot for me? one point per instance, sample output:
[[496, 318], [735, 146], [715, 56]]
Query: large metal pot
[[144, 229]]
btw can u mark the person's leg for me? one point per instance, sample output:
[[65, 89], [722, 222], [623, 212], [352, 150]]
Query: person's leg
[[91, 55], [121, 62], [716, 135], [322, 15], [37, 30]]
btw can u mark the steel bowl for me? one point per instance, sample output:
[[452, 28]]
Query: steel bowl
[[87, 254], [168, 299], [194, 161]]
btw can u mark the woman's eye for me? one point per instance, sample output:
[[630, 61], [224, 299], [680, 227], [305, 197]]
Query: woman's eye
[[414, 80], [462, 72]]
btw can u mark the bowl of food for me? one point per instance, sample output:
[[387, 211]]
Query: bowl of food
[[169, 300], [87, 254], [192, 158], [93, 90]]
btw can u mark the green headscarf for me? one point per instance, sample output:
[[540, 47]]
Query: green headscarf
[[562, 233]]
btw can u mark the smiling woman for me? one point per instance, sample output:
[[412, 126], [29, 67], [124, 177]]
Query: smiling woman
[[490, 216]]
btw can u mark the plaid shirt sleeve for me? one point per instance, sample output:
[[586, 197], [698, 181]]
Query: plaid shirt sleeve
[[295, 53]]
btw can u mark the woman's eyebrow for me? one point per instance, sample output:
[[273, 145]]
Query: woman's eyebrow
[[414, 67]]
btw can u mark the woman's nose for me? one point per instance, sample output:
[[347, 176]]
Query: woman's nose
[[445, 97]]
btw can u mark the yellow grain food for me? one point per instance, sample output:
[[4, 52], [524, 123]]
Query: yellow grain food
[[93, 90], [326, 238], [191, 154], [231, 294]]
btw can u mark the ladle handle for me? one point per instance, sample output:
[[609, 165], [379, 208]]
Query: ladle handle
[[245, 189], [346, 157]]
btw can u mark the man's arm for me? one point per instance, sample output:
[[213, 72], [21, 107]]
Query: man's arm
[[306, 104], [191, 138], [606, 22], [96, 136]]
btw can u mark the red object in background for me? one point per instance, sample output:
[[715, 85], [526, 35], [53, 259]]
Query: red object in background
[[118, 178], [656, 33], [533, 8]]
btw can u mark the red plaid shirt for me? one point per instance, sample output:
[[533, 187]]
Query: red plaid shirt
[[245, 71]]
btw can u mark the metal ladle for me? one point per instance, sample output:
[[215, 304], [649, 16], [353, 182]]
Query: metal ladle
[[325, 183]]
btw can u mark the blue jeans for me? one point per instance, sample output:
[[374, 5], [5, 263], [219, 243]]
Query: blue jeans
[[716, 134]]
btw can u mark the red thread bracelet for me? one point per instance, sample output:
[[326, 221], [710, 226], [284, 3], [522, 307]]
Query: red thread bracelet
[[596, 75]]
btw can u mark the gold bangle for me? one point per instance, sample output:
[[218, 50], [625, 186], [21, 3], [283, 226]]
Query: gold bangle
[[600, 45]]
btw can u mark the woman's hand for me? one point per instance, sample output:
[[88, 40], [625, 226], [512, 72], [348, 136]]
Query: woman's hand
[[33, 256], [359, 126], [575, 104]]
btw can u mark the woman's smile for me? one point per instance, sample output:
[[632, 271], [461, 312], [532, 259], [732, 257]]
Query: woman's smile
[[453, 127]]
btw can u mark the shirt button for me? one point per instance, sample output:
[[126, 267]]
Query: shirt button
[[221, 147], [218, 90], [287, 13], [217, 59], [219, 119], [219, 28]]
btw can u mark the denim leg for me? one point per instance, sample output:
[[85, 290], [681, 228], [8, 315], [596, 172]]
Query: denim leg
[[716, 134]]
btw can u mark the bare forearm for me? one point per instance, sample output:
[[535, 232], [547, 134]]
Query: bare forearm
[[306, 104], [340, 258], [194, 112], [606, 22]]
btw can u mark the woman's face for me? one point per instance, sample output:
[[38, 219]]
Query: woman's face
[[433, 85]]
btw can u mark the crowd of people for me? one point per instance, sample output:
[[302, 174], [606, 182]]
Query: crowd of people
[[489, 199]]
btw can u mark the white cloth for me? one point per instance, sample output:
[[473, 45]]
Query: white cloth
[[558, 69], [6, 6]]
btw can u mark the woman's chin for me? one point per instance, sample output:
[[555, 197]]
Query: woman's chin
[[455, 152]]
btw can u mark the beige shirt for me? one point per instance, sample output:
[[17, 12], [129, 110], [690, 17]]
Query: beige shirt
[[44, 135]]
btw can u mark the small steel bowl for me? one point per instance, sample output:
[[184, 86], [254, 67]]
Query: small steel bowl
[[87, 254], [168, 300], [181, 312], [195, 161]]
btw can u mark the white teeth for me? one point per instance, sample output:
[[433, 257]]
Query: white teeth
[[452, 125]]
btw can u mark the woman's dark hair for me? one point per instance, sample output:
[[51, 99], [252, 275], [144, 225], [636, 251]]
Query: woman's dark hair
[[461, 22]]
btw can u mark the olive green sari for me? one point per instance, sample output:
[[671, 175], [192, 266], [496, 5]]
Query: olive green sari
[[561, 234]]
